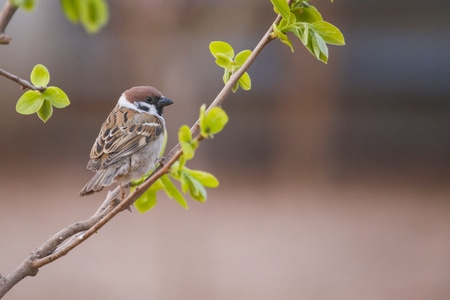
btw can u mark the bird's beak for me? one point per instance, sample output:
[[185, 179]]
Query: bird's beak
[[164, 101]]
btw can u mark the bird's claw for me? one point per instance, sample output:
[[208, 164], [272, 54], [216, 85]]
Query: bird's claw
[[162, 161]]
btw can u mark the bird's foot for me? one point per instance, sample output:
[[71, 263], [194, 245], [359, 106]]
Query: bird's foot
[[162, 161]]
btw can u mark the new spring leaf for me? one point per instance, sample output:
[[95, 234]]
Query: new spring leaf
[[306, 22], [92, 14], [40, 76], [224, 55], [27, 5], [213, 121], [41, 102], [188, 145]]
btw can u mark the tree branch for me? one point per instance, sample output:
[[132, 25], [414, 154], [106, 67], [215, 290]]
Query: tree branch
[[6, 14], [78, 232], [54, 248], [22, 82]]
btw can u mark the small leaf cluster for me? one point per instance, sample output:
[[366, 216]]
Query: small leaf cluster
[[193, 182], [43, 100], [224, 55], [27, 5], [307, 24], [92, 14]]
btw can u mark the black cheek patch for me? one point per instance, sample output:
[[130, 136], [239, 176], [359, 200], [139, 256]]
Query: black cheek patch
[[142, 107]]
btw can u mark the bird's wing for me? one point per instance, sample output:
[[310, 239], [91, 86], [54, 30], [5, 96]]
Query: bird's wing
[[116, 142]]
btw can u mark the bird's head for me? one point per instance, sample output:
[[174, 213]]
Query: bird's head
[[144, 99]]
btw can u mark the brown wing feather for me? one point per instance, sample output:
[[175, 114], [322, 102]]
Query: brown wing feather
[[115, 143]]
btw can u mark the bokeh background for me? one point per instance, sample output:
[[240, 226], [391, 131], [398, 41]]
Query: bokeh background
[[334, 178]]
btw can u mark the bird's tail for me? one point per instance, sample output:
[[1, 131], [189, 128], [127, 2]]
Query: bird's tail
[[101, 179]]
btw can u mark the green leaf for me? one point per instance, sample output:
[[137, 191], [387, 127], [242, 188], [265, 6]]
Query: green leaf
[[282, 8], [301, 31], [146, 201], [283, 37], [29, 103], [318, 47], [321, 43], [177, 167], [196, 189], [283, 25], [184, 182], [307, 13], [245, 82], [27, 5], [137, 182], [56, 96], [235, 87], [330, 33], [188, 151], [205, 178], [242, 57], [46, 111], [226, 75], [185, 139], [212, 122], [93, 14], [184, 134], [314, 47], [70, 9], [172, 191], [222, 60], [224, 48], [40, 76], [305, 36]]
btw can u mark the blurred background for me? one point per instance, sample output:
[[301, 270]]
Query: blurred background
[[334, 178]]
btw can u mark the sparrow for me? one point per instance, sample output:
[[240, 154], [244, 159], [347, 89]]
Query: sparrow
[[130, 140]]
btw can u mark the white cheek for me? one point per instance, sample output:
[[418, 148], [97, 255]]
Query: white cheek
[[124, 103]]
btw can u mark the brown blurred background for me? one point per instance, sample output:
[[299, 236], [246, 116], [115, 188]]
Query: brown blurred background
[[334, 178]]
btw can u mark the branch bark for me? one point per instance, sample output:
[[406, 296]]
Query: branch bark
[[6, 14], [22, 82], [75, 234]]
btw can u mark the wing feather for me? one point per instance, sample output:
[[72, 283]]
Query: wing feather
[[115, 143]]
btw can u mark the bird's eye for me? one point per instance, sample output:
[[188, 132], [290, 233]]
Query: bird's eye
[[151, 100]]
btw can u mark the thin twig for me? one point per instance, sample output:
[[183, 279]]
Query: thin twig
[[6, 14], [22, 82], [48, 252]]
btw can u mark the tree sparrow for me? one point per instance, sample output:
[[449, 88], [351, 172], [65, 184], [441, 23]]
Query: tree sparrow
[[130, 140]]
